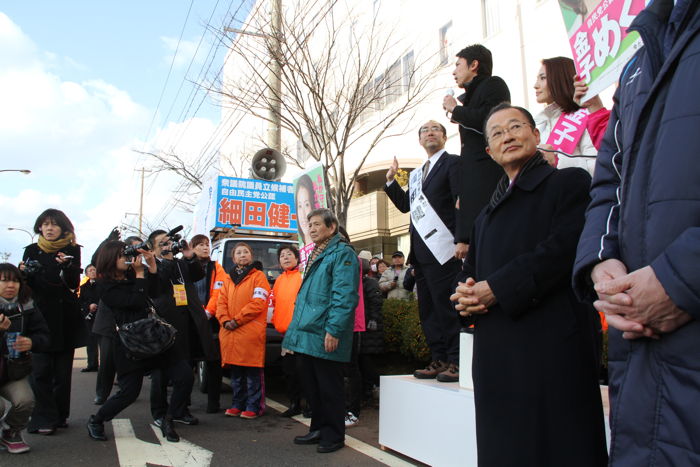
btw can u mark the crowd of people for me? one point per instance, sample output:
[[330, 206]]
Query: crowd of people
[[525, 238]]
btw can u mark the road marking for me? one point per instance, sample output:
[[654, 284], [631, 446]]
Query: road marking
[[134, 452], [354, 443]]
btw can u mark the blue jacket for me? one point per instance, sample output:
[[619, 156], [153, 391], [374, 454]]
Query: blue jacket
[[326, 304], [645, 210]]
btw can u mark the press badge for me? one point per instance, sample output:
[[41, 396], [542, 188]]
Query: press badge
[[180, 294]]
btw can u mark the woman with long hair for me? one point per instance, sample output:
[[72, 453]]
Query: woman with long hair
[[30, 333], [554, 87], [242, 313], [304, 200], [52, 265], [125, 291]]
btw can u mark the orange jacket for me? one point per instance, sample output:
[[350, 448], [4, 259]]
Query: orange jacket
[[217, 282], [246, 303], [284, 294]]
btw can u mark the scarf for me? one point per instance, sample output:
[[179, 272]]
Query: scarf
[[318, 249], [504, 184], [238, 273], [54, 246]]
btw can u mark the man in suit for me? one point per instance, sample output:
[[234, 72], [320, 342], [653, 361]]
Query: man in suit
[[479, 174], [431, 200]]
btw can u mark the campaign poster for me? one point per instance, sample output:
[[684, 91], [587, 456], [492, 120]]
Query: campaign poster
[[310, 192], [599, 38], [255, 205]]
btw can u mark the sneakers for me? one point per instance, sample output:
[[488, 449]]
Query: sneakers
[[187, 419], [431, 371], [13, 441], [451, 375], [351, 420], [233, 412], [249, 414]]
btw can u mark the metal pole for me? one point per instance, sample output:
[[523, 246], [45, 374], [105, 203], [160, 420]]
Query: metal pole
[[141, 204], [274, 127]]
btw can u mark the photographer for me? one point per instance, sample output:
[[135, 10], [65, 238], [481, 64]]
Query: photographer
[[391, 281], [89, 298], [194, 341], [22, 329], [125, 289], [53, 271]]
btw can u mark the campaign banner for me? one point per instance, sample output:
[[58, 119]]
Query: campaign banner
[[310, 192], [255, 205], [599, 38]]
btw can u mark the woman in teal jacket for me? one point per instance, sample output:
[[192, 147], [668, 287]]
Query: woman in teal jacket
[[321, 329]]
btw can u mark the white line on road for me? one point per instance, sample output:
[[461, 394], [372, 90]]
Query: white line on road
[[134, 452], [360, 446]]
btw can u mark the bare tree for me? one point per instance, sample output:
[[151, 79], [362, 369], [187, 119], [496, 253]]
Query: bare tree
[[344, 89]]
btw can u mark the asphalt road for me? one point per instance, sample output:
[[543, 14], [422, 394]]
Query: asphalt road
[[233, 441]]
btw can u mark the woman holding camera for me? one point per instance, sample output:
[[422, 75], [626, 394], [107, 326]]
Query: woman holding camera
[[242, 313], [22, 329], [124, 299], [53, 272]]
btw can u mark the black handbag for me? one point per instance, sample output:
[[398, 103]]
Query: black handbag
[[147, 337]]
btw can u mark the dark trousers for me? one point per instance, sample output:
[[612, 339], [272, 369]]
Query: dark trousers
[[214, 376], [354, 392], [290, 367], [130, 384], [179, 372], [91, 347], [51, 383], [248, 387], [106, 370], [439, 320], [323, 386]]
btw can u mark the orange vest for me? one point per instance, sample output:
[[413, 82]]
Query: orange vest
[[217, 282], [284, 294], [246, 303]]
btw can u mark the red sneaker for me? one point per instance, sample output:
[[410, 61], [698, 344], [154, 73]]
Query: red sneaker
[[233, 412], [249, 414]]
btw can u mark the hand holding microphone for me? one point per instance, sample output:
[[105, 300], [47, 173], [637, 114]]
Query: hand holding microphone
[[449, 102]]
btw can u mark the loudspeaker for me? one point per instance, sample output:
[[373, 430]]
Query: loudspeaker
[[268, 164]]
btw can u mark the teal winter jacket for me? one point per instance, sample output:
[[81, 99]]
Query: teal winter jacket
[[326, 304]]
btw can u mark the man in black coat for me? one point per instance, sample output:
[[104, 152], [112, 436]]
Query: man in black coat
[[431, 200], [478, 172], [536, 394]]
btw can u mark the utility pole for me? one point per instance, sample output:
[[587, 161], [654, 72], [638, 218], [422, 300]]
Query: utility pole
[[274, 128], [143, 175]]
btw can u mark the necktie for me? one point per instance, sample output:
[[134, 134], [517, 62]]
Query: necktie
[[426, 168]]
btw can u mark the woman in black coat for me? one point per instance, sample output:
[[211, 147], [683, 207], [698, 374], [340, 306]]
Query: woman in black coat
[[124, 298], [535, 363], [53, 272]]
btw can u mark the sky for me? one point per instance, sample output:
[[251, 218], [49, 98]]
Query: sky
[[83, 86]]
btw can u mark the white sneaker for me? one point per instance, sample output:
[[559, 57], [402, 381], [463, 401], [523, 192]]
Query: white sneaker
[[351, 420]]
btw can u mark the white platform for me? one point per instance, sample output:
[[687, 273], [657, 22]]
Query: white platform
[[428, 421]]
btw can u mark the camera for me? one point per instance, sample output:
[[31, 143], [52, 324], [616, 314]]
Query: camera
[[32, 266], [178, 245], [10, 309], [396, 278], [131, 250]]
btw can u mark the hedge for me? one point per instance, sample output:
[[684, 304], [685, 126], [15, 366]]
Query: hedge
[[402, 329]]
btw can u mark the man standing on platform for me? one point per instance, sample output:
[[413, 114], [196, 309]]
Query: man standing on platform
[[479, 174], [431, 196]]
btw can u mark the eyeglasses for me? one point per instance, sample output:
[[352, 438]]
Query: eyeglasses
[[514, 129], [434, 129]]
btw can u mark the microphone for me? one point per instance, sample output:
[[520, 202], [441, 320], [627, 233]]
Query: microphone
[[450, 92], [174, 231]]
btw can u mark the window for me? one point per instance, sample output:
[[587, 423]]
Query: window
[[445, 44], [409, 70], [393, 82], [379, 92], [365, 100], [491, 17]]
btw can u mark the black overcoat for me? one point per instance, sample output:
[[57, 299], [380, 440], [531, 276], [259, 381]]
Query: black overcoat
[[53, 291], [478, 173], [535, 362], [194, 339]]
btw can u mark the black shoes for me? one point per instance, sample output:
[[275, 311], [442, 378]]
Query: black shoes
[[99, 400], [294, 409], [187, 419], [213, 409], [312, 437], [168, 429], [306, 413], [96, 429], [325, 448], [90, 369]]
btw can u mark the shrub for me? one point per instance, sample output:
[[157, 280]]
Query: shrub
[[402, 329]]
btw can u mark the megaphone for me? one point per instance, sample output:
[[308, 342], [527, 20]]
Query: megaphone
[[268, 164]]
